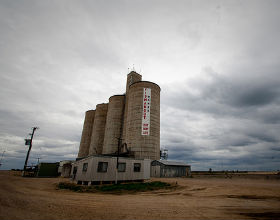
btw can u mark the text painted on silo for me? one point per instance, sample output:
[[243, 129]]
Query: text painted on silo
[[146, 111]]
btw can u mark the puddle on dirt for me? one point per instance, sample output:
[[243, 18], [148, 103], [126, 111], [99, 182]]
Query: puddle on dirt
[[198, 189], [168, 194]]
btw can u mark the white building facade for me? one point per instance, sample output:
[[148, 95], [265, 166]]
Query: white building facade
[[103, 169]]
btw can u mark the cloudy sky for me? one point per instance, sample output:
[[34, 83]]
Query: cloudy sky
[[217, 63]]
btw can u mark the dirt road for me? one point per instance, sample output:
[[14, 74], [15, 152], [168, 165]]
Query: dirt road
[[37, 198]]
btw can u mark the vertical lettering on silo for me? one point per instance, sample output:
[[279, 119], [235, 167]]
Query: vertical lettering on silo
[[146, 111]]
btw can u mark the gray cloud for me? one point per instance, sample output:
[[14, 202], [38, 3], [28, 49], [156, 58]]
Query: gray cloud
[[216, 62], [229, 117]]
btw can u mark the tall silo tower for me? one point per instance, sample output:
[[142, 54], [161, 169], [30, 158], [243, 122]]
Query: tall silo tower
[[86, 134], [97, 137], [132, 77], [143, 120], [114, 124]]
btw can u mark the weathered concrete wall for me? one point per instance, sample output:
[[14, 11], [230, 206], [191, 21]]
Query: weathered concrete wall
[[86, 134], [143, 146], [132, 77], [97, 137], [114, 123]]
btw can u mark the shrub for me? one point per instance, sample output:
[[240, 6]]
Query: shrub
[[125, 187]]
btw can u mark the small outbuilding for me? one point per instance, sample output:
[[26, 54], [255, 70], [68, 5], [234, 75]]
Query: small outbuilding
[[48, 170], [64, 168], [164, 168]]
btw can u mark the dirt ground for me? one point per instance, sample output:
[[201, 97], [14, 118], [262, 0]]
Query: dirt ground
[[194, 198]]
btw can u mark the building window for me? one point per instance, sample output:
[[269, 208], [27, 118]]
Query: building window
[[102, 167], [85, 166], [121, 167], [137, 167]]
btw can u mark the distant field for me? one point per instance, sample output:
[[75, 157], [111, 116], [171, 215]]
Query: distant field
[[201, 197], [238, 172], [240, 175]]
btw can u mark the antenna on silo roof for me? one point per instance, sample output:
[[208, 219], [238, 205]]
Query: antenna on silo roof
[[133, 69]]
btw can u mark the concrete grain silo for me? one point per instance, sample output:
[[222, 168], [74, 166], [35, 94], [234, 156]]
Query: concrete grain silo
[[132, 77], [133, 117], [114, 124], [98, 129], [86, 134], [143, 120]]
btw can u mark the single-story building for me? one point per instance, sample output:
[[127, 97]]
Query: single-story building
[[164, 168], [102, 169]]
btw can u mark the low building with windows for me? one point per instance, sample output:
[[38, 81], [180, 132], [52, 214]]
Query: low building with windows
[[103, 169]]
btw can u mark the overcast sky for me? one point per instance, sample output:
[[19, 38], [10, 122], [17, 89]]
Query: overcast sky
[[217, 63]]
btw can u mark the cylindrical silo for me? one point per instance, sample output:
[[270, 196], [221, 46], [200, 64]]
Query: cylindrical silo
[[143, 120], [114, 122], [98, 129], [86, 134], [132, 77]]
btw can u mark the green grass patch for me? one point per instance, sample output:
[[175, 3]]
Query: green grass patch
[[117, 188], [70, 186]]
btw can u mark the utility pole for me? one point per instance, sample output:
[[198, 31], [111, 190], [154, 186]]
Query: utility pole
[[117, 167], [28, 142], [38, 158], [2, 158]]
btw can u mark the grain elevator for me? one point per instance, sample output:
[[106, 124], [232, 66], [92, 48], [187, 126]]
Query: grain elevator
[[128, 125]]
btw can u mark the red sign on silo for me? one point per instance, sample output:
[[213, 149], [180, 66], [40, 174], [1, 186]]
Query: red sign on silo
[[146, 111]]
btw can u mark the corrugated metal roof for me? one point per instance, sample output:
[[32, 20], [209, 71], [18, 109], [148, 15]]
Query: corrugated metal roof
[[172, 163]]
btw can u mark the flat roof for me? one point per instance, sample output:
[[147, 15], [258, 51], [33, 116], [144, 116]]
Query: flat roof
[[109, 156], [173, 163]]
